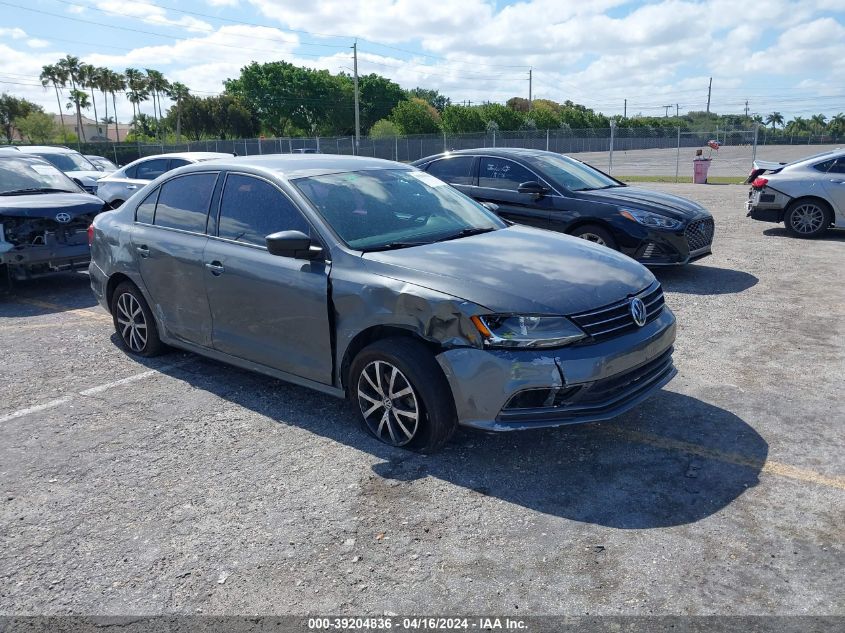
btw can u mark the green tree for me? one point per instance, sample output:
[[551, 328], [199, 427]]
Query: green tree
[[377, 97], [136, 82], [55, 75], [11, 109], [520, 104], [416, 117], [89, 77], [504, 117], [70, 68], [431, 97], [179, 92], [545, 117], [37, 127], [818, 123], [458, 119], [113, 83], [157, 85], [837, 123], [774, 119], [384, 128]]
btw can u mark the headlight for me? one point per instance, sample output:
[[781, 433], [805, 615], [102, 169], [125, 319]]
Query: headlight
[[653, 220], [505, 330]]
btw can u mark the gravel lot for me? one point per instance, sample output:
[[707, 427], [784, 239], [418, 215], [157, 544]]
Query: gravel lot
[[181, 485]]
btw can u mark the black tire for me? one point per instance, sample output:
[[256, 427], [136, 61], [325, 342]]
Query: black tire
[[431, 395], [115, 204], [596, 234], [807, 217], [136, 330]]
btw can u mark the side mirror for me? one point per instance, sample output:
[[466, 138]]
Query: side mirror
[[292, 244], [534, 188], [490, 206]]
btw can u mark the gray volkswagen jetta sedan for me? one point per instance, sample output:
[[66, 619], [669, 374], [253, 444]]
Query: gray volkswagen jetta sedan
[[372, 280]]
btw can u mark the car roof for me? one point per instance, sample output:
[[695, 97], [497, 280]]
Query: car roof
[[31, 158], [504, 152], [302, 165], [45, 149], [190, 155]]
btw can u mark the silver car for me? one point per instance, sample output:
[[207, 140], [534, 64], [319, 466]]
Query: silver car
[[808, 195], [117, 187], [78, 168], [373, 280]]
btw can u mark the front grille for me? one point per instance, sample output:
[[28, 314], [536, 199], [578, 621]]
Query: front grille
[[699, 234], [605, 391], [616, 319]]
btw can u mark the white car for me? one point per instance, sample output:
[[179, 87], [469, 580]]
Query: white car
[[117, 187], [78, 168], [808, 195]]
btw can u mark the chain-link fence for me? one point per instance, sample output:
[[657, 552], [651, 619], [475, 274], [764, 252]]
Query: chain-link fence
[[629, 152]]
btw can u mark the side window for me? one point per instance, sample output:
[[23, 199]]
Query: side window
[[183, 202], [838, 167], [456, 170], [498, 173], [151, 169], [251, 209], [146, 210], [131, 172], [177, 162]]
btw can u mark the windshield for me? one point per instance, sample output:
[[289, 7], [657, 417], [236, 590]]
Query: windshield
[[102, 162], [17, 174], [572, 174], [68, 162], [394, 208]]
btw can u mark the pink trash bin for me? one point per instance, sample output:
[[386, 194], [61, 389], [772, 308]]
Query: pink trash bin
[[699, 171]]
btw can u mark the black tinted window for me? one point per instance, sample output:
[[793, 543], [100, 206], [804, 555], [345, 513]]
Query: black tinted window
[[183, 202], [252, 209], [502, 174], [151, 169], [178, 162], [146, 210], [456, 171], [838, 167]]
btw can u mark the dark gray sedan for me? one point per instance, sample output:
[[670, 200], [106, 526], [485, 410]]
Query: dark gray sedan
[[375, 281]]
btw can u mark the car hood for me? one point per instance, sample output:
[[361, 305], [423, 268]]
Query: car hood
[[82, 174], [47, 205], [518, 270], [648, 200]]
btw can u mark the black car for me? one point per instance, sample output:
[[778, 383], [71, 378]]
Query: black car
[[44, 219], [556, 192]]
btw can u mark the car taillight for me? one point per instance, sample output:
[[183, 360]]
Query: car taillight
[[90, 234], [759, 183]]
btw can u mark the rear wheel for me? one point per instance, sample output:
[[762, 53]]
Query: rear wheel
[[595, 234], [807, 218], [134, 323], [402, 394]]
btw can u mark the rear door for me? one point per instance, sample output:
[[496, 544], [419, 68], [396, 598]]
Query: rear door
[[834, 186], [169, 238], [498, 181], [458, 171], [267, 309]]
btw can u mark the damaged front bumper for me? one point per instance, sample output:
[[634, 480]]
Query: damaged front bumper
[[504, 390]]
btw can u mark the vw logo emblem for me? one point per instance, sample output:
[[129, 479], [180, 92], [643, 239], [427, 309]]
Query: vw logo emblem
[[63, 218], [638, 311]]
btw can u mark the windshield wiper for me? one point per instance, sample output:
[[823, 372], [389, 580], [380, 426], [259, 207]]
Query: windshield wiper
[[391, 246], [597, 188], [475, 230], [21, 192]]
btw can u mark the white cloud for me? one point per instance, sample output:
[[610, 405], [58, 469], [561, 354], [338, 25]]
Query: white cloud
[[152, 14], [14, 33], [34, 42]]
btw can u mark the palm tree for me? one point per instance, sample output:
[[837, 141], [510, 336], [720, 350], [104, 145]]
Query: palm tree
[[837, 123], [179, 92], [774, 119], [54, 74], [69, 66], [157, 84], [115, 82], [818, 122], [89, 77]]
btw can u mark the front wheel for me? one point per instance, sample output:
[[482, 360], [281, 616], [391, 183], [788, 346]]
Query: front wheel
[[807, 218], [134, 323], [595, 234], [402, 394]]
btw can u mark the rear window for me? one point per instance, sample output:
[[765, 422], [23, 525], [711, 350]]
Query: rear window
[[151, 169], [146, 210], [456, 170], [183, 202]]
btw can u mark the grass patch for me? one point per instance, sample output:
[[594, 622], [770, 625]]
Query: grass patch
[[714, 180]]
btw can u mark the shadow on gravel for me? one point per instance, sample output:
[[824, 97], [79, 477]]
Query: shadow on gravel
[[831, 235], [70, 291], [674, 460], [696, 279]]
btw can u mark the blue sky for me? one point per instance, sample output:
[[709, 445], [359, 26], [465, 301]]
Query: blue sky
[[783, 55]]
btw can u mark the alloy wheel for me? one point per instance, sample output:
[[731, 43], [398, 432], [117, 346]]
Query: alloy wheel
[[592, 237], [132, 325], [388, 403], [807, 218]]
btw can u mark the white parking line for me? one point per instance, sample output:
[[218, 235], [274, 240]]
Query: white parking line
[[52, 404]]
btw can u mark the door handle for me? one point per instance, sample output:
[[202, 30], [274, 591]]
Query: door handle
[[131, 186], [837, 182], [215, 267], [143, 250]]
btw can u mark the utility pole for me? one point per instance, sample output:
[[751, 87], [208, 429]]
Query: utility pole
[[357, 110], [666, 110], [677, 108], [709, 88], [625, 110], [530, 86], [746, 108]]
